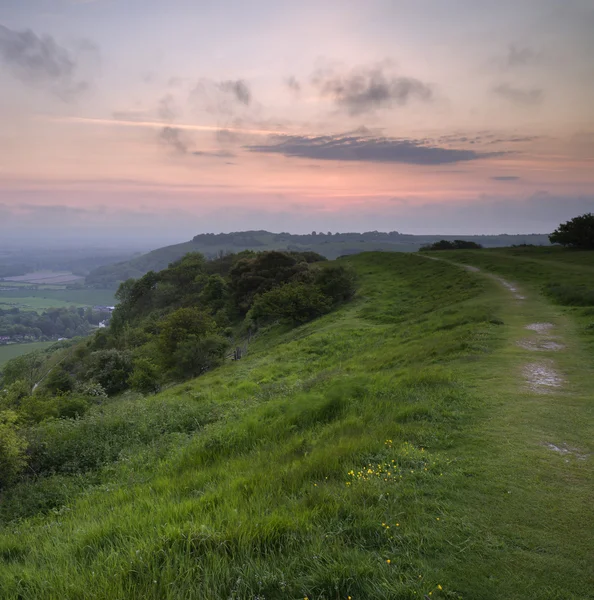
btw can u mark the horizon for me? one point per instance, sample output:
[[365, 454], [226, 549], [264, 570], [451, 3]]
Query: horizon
[[145, 123]]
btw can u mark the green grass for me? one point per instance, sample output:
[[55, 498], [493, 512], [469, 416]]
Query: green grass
[[13, 350], [387, 450]]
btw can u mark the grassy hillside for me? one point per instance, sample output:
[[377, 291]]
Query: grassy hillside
[[387, 450], [327, 244]]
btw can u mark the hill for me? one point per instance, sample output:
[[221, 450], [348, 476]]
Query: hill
[[396, 447], [327, 244]]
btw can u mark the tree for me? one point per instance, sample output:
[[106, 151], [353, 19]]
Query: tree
[[576, 233]]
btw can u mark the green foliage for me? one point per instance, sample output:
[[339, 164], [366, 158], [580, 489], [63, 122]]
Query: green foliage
[[294, 302], [12, 448], [58, 381], [451, 245], [24, 368], [111, 369], [145, 377], [575, 233]]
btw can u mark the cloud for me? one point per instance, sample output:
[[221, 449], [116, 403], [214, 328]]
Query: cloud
[[40, 61], [175, 139], [239, 89], [221, 97], [166, 108], [293, 85], [505, 178], [366, 89], [519, 57], [528, 97], [358, 148]]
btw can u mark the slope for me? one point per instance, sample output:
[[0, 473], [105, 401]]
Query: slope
[[389, 450]]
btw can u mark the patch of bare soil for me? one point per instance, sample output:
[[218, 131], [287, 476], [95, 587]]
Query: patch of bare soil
[[542, 377], [540, 327], [566, 450], [540, 345]]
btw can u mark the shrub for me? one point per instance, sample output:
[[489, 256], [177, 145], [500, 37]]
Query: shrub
[[146, 376], [12, 448], [336, 282], [111, 369], [294, 302]]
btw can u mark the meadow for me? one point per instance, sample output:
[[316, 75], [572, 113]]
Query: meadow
[[54, 297], [10, 351], [387, 450]]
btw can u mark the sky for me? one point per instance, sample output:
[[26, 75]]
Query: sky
[[161, 119]]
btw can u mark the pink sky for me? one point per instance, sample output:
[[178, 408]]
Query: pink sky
[[183, 117]]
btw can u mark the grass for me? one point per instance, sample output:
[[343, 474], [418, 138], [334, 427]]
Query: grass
[[13, 350], [387, 450]]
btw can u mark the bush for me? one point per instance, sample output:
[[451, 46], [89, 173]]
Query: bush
[[12, 448], [294, 302], [111, 369], [146, 377], [576, 233], [336, 282]]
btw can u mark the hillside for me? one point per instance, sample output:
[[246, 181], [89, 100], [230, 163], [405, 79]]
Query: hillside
[[327, 244], [393, 448]]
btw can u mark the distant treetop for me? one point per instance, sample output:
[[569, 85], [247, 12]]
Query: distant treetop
[[448, 245]]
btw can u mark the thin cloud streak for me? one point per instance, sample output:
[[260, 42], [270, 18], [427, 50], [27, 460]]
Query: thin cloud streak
[[160, 125]]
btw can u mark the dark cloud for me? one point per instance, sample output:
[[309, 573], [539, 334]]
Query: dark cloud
[[528, 97], [166, 109], [505, 178], [221, 97], [40, 61], [367, 149], [366, 89], [175, 139], [293, 85], [239, 89]]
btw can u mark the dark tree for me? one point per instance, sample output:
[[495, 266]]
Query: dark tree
[[576, 233]]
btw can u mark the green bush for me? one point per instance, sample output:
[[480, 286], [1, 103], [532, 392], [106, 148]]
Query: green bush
[[111, 369], [294, 302], [12, 448], [146, 376]]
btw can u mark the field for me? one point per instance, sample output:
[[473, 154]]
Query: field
[[13, 350], [46, 277], [396, 448], [49, 298]]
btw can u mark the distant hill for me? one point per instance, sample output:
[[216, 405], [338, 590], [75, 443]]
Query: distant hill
[[330, 245]]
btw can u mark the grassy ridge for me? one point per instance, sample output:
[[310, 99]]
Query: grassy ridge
[[362, 455]]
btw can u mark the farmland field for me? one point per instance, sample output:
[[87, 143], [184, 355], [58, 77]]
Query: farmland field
[[46, 277], [50, 298], [14, 350]]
